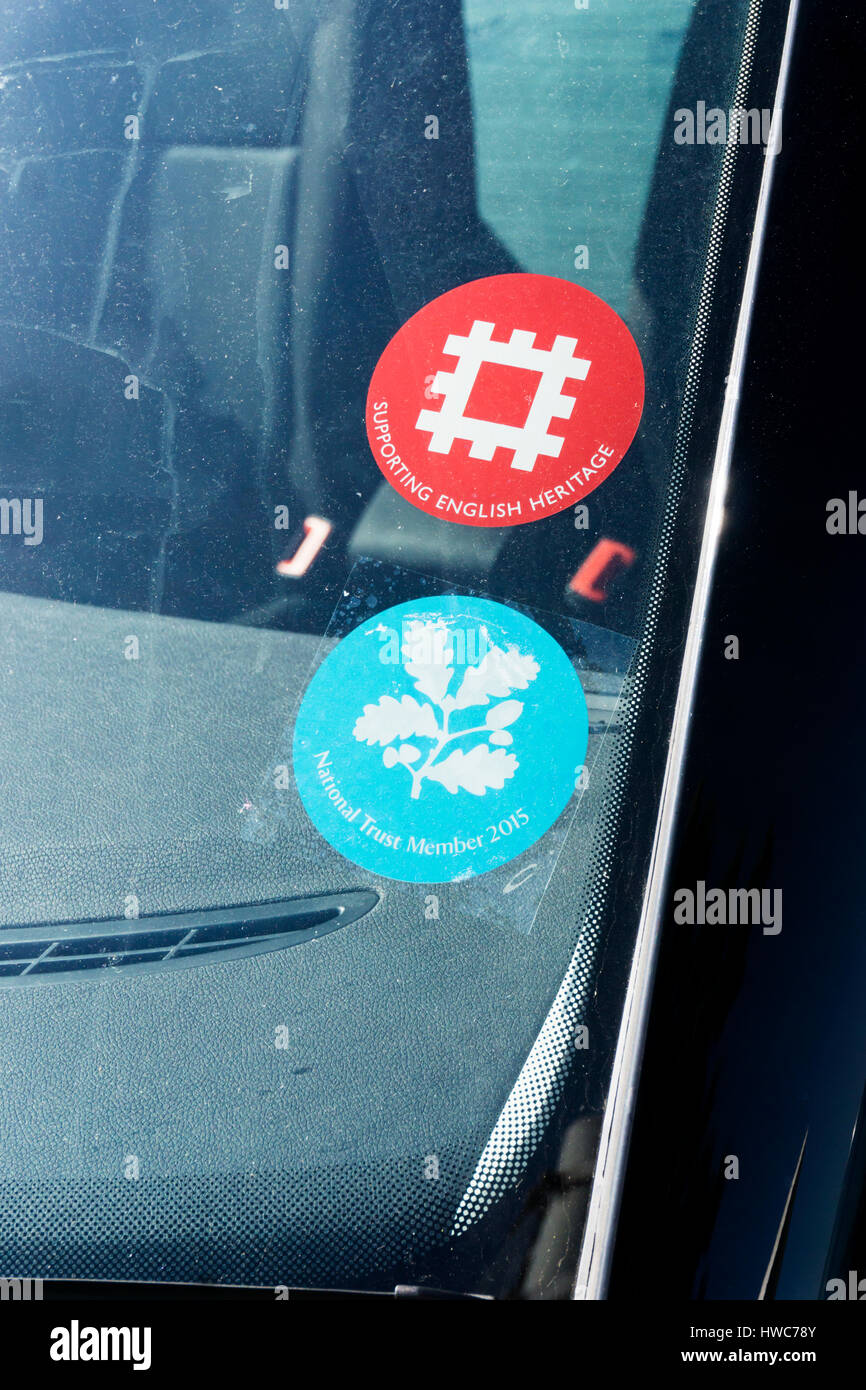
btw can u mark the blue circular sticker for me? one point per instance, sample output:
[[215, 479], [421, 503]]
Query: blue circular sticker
[[439, 739]]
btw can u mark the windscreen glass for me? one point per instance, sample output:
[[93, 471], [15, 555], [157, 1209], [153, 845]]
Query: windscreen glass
[[214, 221], [347, 356]]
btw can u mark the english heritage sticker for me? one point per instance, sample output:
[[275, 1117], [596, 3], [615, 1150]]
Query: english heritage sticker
[[505, 400]]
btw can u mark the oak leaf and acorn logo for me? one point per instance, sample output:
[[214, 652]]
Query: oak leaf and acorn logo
[[399, 725]]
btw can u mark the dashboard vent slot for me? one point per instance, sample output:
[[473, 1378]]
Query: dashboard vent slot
[[46, 954]]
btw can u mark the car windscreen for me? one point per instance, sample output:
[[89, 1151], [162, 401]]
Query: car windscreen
[[279, 285]]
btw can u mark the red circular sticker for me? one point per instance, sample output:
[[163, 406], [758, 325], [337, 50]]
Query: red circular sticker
[[505, 400]]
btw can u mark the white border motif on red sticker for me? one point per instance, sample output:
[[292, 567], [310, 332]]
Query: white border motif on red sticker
[[505, 400]]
